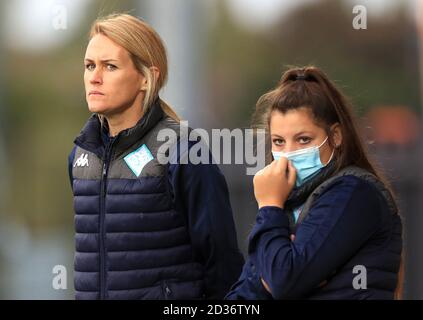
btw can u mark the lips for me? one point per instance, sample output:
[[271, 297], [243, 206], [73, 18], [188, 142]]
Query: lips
[[95, 93]]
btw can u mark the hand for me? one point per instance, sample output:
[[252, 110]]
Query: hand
[[274, 182]]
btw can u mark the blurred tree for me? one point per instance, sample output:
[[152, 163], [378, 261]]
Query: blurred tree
[[377, 65], [46, 110], [243, 65]]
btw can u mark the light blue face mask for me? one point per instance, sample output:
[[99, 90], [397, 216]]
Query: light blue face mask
[[306, 161]]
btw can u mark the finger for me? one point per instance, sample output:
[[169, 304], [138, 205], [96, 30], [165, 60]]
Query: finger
[[273, 163], [281, 165], [263, 170], [292, 173], [292, 237], [267, 168]]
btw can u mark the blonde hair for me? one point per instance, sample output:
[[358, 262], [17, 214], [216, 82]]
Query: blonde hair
[[146, 49]]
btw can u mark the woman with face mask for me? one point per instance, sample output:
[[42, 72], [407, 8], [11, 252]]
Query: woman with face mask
[[145, 229], [327, 226]]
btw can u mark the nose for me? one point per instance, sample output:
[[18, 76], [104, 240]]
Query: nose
[[96, 76], [289, 146]]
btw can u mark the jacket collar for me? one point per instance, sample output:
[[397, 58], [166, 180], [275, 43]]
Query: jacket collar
[[91, 139], [300, 194]]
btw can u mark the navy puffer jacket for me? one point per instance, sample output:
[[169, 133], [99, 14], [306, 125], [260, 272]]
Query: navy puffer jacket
[[347, 246], [146, 230]]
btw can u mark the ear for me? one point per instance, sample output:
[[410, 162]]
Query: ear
[[336, 134], [155, 74]]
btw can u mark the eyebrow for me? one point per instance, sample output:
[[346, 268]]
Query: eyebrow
[[296, 135], [106, 60]]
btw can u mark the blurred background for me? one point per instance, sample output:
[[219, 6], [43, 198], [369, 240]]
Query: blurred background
[[224, 54]]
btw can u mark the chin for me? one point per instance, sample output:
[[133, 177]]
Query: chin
[[98, 108]]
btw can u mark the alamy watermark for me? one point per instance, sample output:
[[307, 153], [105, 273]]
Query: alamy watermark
[[59, 17], [360, 280], [360, 20], [222, 146], [59, 281]]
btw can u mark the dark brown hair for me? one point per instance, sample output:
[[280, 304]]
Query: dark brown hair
[[309, 87]]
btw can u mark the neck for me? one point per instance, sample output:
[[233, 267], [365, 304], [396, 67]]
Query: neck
[[124, 120]]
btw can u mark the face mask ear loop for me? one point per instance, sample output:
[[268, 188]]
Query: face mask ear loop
[[333, 151], [331, 156], [327, 137]]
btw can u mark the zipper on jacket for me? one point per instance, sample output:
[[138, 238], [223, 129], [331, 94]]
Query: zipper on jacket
[[166, 290], [102, 231]]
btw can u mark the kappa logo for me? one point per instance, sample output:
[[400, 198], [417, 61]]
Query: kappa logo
[[82, 161]]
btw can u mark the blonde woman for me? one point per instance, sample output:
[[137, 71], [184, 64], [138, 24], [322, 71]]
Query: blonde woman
[[144, 230]]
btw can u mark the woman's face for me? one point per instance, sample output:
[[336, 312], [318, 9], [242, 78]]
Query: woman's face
[[295, 130], [112, 83]]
